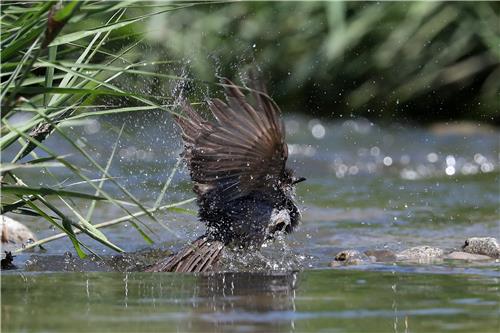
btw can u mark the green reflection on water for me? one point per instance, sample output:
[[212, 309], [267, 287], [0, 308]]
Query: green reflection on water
[[311, 301]]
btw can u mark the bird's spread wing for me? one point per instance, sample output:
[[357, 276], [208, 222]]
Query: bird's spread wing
[[244, 150]]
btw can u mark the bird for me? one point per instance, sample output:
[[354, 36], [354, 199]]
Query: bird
[[244, 190]]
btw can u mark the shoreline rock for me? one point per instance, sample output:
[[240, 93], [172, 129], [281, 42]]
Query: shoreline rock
[[14, 234]]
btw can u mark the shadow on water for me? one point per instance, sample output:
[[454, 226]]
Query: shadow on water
[[332, 300]]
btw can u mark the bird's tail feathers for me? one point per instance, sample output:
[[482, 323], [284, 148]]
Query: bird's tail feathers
[[202, 255]]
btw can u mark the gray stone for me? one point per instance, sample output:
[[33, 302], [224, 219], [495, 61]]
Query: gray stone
[[458, 255], [420, 253], [350, 257], [487, 246], [381, 255]]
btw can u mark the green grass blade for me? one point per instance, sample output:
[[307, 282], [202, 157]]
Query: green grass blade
[[74, 36], [170, 207], [67, 11], [69, 78], [22, 190], [4, 167], [49, 74], [115, 111], [66, 228], [14, 77], [75, 170], [91, 230], [69, 231], [76, 91], [9, 52], [101, 169], [65, 221], [106, 169], [167, 184]]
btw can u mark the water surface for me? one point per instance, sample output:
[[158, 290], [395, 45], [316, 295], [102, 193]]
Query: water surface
[[368, 187], [311, 301]]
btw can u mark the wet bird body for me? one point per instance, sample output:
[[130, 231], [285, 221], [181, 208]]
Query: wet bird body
[[244, 191]]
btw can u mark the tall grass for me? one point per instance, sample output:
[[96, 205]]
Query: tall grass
[[55, 60]]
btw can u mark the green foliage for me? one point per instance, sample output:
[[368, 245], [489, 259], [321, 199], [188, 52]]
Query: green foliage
[[55, 62], [423, 61], [414, 60]]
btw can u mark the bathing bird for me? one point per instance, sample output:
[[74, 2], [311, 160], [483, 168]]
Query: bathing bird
[[237, 162]]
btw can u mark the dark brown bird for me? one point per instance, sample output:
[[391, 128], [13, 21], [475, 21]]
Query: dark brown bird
[[244, 191]]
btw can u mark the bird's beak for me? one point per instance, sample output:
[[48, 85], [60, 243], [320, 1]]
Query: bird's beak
[[298, 180]]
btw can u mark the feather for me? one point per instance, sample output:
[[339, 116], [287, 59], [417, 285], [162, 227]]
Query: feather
[[200, 256], [243, 151]]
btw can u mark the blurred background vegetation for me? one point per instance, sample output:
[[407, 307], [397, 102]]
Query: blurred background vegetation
[[63, 62], [415, 61]]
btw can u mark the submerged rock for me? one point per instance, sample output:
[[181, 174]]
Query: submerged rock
[[420, 253], [13, 234], [487, 246], [381, 255], [458, 255], [350, 257]]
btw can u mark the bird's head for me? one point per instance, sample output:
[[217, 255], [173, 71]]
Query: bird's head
[[286, 214], [289, 182]]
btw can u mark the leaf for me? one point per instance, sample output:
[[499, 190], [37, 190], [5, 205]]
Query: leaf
[[114, 111], [170, 207], [77, 172], [103, 171], [69, 78], [167, 184], [91, 230], [49, 74], [11, 50], [29, 212], [74, 36], [67, 11], [106, 170], [68, 230], [12, 166], [58, 20], [22, 190], [75, 91]]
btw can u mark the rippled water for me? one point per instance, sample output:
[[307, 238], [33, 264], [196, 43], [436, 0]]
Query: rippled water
[[368, 187], [311, 301]]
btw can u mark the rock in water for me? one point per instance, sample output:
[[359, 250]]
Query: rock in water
[[350, 257], [458, 255], [420, 253], [381, 255], [487, 246], [14, 235]]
